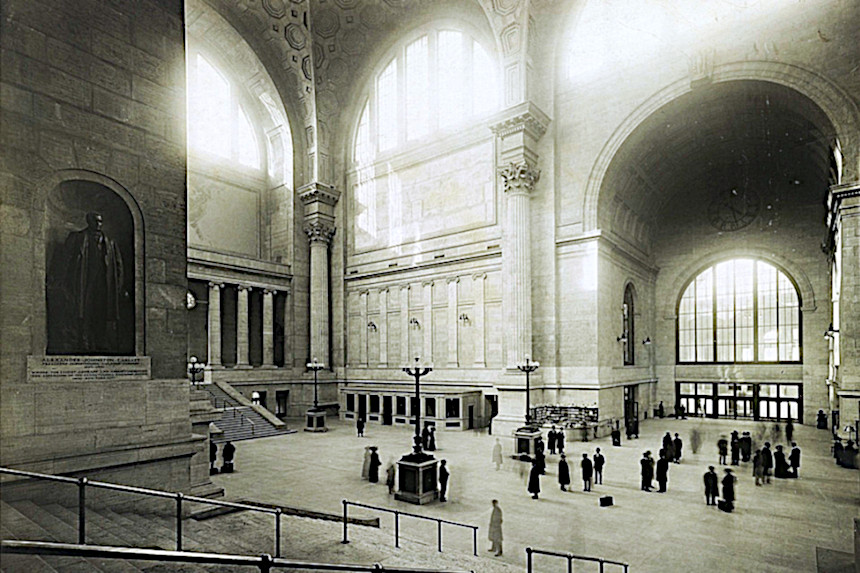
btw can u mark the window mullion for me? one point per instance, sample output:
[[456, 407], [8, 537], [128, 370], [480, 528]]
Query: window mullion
[[432, 80], [777, 316], [755, 311], [734, 312], [714, 311], [400, 75]]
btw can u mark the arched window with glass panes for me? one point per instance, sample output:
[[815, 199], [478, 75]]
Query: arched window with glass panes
[[739, 311], [627, 325]]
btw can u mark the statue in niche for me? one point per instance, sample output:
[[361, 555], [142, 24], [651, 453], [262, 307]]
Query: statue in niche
[[89, 286]]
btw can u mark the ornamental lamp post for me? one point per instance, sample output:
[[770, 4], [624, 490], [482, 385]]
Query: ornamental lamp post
[[417, 372], [525, 438], [195, 369], [315, 416], [528, 367], [417, 472]]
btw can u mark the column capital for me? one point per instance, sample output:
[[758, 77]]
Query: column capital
[[244, 287], [524, 117], [319, 231], [428, 283], [519, 177], [406, 286], [213, 284], [269, 291], [479, 276], [450, 280], [318, 192]]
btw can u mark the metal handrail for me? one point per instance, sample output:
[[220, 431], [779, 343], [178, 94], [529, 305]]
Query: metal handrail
[[234, 406], [397, 515], [570, 559], [83, 482], [264, 562]]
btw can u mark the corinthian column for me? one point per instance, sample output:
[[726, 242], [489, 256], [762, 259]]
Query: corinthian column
[[215, 324], [242, 328]]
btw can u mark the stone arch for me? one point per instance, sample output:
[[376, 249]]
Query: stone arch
[[838, 106], [49, 185]]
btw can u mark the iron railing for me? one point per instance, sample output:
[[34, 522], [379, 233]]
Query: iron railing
[[570, 559], [233, 405], [180, 498], [265, 563], [397, 515]]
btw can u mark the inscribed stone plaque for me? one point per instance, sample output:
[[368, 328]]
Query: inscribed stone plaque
[[83, 368]]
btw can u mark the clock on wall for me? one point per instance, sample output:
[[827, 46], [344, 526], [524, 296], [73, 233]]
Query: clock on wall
[[733, 209]]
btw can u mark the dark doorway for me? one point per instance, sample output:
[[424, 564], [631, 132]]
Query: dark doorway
[[471, 420], [386, 410], [631, 411], [282, 399], [362, 407]]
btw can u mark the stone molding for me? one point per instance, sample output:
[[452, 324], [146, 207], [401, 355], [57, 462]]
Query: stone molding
[[835, 196], [319, 231], [319, 192], [524, 117], [519, 177]]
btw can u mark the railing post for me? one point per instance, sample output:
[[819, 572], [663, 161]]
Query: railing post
[[625, 568], [396, 529], [529, 559], [601, 565], [277, 533], [179, 522], [570, 564], [345, 540], [82, 511], [439, 535], [475, 541], [265, 563]]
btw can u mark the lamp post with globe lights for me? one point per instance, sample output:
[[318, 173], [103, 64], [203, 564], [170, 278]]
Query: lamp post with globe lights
[[526, 436], [417, 472], [195, 369], [315, 416]]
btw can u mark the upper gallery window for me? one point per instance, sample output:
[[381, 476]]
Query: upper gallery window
[[740, 310], [627, 333], [218, 123], [441, 80]]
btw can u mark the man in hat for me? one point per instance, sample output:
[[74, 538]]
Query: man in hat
[[551, 435], [766, 462], [563, 473], [794, 460], [443, 479], [711, 486], [647, 471], [599, 461], [728, 491], [495, 530], [587, 472], [746, 446], [677, 445], [662, 472], [373, 470], [534, 480]]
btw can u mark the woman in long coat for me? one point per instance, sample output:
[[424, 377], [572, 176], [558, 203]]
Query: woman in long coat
[[534, 480], [373, 471], [729, 490], [365, 466], [563, 473], [497, 454], [758, 467], [495, 530]]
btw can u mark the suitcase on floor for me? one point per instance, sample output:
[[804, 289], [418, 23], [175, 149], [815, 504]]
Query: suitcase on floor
[[606, 501], [723, 505]]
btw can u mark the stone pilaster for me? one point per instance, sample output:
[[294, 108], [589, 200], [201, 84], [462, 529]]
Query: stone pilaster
[[453, 321], [382, 327], [214, 326], [427, 322], [242, 342], [319, 201], [478, 281], [404, 325], [288, 329], [269, 327], [364, 330]]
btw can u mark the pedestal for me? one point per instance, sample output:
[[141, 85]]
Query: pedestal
[[315, 421], [417, 479], [524, 441]]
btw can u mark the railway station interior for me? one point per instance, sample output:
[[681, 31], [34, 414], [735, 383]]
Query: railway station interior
[[302, 233]]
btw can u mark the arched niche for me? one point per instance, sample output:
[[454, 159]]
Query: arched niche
[[94, 277]]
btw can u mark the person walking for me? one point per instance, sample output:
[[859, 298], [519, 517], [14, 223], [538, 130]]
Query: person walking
[[359, 427], [766, 462], [550, 437], [443, 479], [431, 439], [677, 444], [789, 430], [758, 468], [668, 447], [495, 529], [540, 459], [728, 491], [534, 480], [794, 460], [365, 466], [390, 472], [695, 440], [662, 473], [780, 464], [563, 473], [587, 472], [373, 470], [647, 471], [599, 462], [712, 487], [497, 454], [723, 448]]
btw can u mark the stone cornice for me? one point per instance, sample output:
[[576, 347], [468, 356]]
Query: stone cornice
[[318, 192], [519, 177], [523, 117], [835, 196]]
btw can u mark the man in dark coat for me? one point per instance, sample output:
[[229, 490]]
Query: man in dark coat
[[766, 462], [677, 444], [662, 473], [227, 453], [789, 430], [359, 427], [838, 448], [443, 479], [660, 410], [534, 480], [821, 420], [780, 465], [213, 457], [794, 460], [559, 441], [736, 448], [599, 461], [647, 471], [711, 486], [668, 446], [587, 472], [563, 473], [746, 446], [723, 448], [551, 435], [616, 435], [729, 491], [373, 470]]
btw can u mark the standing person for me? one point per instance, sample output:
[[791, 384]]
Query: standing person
[[780, 465], [373, 470], [660, 410], [559, 441], [534, 480], [695, 440], [359, 427], [227, 453], [775, 433], [789, 430], [495, 529], [838, 449], [677, 444], [540, 459], [213, 457], [497, 454], [587, 472], [794, 460], [647, 471], [443, 479], [662, 473], [431, 439], [390, 472], [766, 462], [616, 435], [599, 461], [668, 447], [563, 473], [758, 468], [723, 448], [425, 436], [551, 440], [365, 466], [729, 491], [736, 449], [711, 486], [746, 446], [821, 420]]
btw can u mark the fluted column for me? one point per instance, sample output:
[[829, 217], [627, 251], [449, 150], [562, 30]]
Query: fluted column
[[453, 322], [404, 325], [288, 329], [269, 327], [427, 323], [382, 327], [363, 331], [214, 325], [478, 317], [242, 328]]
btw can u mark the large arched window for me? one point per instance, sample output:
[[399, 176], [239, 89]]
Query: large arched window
[[438, 81], [627, 325], [741, 310]]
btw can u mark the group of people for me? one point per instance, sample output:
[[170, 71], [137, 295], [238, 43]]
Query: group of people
[[591, 471], [428, 438], [846, 456], [712, 489], [227, 454]]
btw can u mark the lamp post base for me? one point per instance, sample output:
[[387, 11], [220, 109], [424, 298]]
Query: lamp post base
[[315, 421], [417, 479], [524, 441]]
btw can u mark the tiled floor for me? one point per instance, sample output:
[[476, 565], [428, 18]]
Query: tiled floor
[[775, 527]]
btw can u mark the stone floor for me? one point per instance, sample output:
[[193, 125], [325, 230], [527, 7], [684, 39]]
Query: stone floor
[[774, 528]]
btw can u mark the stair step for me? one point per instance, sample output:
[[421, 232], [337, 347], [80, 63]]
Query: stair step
[[27, 529]]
